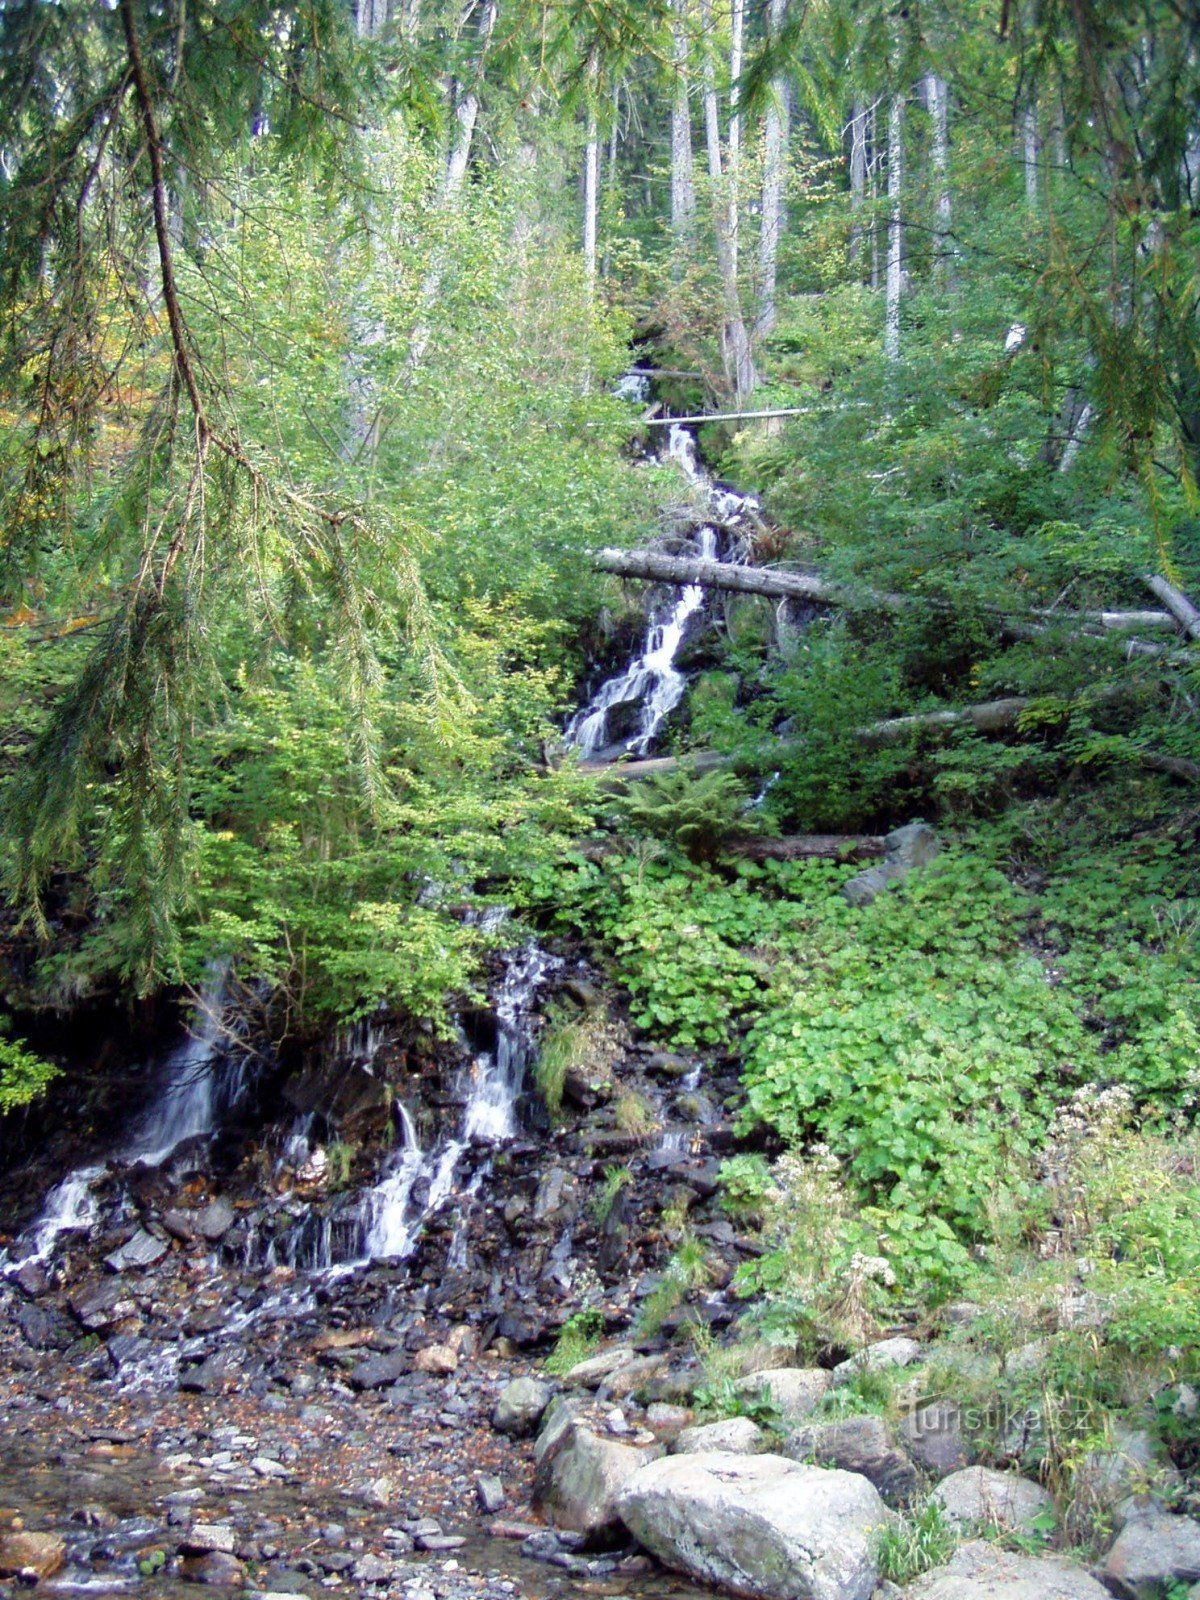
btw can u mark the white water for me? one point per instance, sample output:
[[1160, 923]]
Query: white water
[[392, 1217], [196, 1085], [652, 682]]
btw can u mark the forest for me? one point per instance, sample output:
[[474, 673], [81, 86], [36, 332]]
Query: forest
[[599, 678]]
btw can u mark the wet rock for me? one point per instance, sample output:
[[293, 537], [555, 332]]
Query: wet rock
[[179, 1224], [1152, 1553], [214, 1221], [980, 1571], [862, 1445], [579, 1476], [794, 1391], [489, 1492], [633, 1377], [39, 1555], [141, 1251], [878, 1357], [377, 1372], [555, 1203], [209, 1376], [217, 1570], [667, 1422], [979, 1496], [99, 1306], [376, 1569], [521, 1406], [30, 1277], [758, 1525], [43, 1328], [205, 1538], [737, 1436]]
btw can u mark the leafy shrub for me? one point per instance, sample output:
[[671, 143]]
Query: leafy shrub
[[698, 814], [24, 1076]]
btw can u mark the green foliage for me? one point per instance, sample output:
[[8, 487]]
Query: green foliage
[[745, 1183], [721, 1397], [698, 814], [565, 1046], [687, 1270], [577, 1338], [615, 1180], [24, 1076], [910, 1545]]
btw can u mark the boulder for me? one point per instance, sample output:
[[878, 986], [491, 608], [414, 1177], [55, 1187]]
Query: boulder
[[979, 1496], [439, 1360], [933, 1436], [520, 1406], [878, 1357], [858, 1444], [1150, 1554], [979, 1571], [1106, 1479], [795, 1392], [580, 1475], [214, 1221], [904, 849], [591, 1372], [735, 1436], [38, 1554], [758, 1525], [376, 1372]]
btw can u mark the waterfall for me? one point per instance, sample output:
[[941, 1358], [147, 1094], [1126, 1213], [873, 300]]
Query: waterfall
[[197, 1084], [652, 682]]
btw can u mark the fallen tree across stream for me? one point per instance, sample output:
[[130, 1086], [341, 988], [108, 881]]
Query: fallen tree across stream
[[774, 584]]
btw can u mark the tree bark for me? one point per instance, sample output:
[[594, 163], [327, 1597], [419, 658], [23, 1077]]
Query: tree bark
[[735, 341], [1029, 153], [895, 250], [1176, 602], [858, 177], [683, 187], [591, 183], [737, 23], [772, 187], [811, 587], [936, 100]]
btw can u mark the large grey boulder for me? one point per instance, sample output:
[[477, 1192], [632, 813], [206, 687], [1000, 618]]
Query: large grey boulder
[[581, 1472], [1152, 1552], [758, 1525], [878, 1357], [736, 1436], [933, 1436], [1122, 1478], [980, 1497], [591, 1372], [858, 1444], [904, 849], [983, 1572], [795, 1392], [520, 1405]]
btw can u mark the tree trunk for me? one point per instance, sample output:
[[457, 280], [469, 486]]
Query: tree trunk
[[1176, 602], [812, 588], [683, 188], [936, 100], [737, 23], [810, 847], [1029, 153], [772, 187], [591, 183], [895, 251], [735, 341], [466, 114], [858, 177]]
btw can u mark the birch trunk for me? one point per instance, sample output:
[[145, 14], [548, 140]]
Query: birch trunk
[[1029, 153], [895, 250], [858, 176], [935, 99], [591, 184], [772, 189], [683, 188]]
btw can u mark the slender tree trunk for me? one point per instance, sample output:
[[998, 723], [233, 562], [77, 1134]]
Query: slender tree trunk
[[737, 23], [683, 188], [873, 173], [936, 100], [466, 114], [371, 18], [772, 189], [858, 178], [1029, 153], [895, 251], [591, 183], [735, 341]]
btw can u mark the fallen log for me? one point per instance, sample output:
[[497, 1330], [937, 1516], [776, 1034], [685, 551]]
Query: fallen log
[[1176, 602], [810, 847], [776, 585]]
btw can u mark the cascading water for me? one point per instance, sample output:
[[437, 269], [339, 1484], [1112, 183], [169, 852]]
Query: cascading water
[[199, 1083], [652, 683]]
